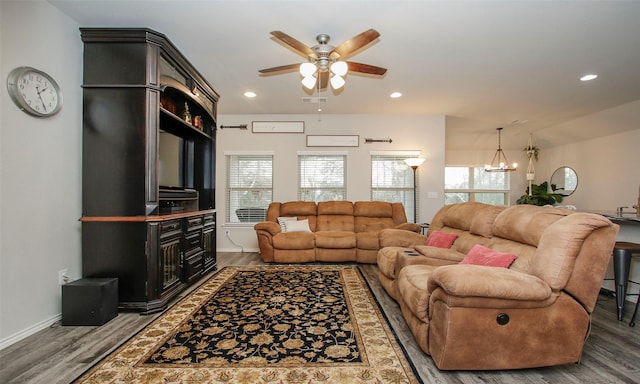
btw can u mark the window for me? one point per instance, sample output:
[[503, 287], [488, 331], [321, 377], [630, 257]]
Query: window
[[322, 177], [475, 184], [249, 187], [392, 180]]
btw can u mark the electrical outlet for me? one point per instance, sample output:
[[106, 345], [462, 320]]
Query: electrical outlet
[[62, 276]]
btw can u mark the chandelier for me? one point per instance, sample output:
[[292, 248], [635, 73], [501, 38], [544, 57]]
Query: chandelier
[[500, 162]]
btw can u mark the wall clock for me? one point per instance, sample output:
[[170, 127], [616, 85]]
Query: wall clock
[[34, 92]]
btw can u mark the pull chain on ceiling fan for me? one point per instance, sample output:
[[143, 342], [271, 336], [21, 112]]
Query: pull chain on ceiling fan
[[326, 63]]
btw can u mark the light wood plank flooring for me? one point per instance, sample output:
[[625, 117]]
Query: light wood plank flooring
[[60, 354]]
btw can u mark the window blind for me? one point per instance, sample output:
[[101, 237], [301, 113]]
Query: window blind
[[392, 181], [249, 187], [322, 177]]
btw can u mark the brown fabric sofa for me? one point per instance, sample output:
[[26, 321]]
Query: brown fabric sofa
[[340, 231], [471, 317]]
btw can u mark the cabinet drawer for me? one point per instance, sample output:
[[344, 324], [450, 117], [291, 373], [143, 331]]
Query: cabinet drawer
[[194, 223], [209, 220], [169, 228], [193, 242], [193, 267]]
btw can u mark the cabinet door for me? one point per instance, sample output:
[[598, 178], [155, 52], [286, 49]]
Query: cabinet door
[[209, 242], [170, 254]]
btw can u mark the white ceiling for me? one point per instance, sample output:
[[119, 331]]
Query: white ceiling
[[484, 64]]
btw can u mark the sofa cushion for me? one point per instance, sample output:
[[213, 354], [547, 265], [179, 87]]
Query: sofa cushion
[[440, 256], [482, 222], [368, 240], [479, 255], [441, 239], [526, 223], [294, 240], [335, 239], [301, 210]]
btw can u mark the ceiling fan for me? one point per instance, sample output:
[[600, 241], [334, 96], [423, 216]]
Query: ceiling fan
[[326, 63]]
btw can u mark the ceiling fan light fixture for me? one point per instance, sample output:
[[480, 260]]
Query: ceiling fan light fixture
[[337, 81], [339, 68], [307, 69], [309, 81]]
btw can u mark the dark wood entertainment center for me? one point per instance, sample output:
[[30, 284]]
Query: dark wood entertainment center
[[156, 239]]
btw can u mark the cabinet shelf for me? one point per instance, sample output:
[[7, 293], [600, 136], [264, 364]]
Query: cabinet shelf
[[180, 127]]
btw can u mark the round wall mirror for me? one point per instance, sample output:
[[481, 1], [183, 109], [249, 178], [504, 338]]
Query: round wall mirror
[[564, 181]]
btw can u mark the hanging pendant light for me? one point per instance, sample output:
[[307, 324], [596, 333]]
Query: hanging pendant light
[[500, 162]]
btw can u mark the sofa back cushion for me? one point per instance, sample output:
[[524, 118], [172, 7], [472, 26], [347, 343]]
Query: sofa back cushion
[[335, 216], [526, 223], [374, 215], [300, 209], [561, 244]]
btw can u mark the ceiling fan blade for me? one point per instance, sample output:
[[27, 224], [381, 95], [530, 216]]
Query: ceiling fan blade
[[324, 80], [296, 45], [282, 68], [350, 46], [366, 68]]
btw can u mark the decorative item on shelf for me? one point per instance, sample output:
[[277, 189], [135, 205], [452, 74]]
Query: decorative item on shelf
[[186, 115], [369, 141], [539, 195], [414, 163], [167, 103], [499, 162], [532, 153], [197, 122]]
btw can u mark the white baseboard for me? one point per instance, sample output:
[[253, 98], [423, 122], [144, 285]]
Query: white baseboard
[[7, 341], [236, 249]]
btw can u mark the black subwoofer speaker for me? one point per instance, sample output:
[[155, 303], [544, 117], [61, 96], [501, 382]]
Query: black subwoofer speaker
[[90, 301]]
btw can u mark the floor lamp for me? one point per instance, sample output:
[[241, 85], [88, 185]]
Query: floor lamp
[[414, 163]]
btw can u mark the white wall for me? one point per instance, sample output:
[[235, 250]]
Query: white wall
[[421, 133], [608, 177], [40, 171]]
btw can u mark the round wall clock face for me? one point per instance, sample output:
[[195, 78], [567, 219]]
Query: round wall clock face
[[34, 92]]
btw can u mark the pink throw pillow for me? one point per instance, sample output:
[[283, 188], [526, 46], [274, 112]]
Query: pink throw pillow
[[479, 255], [441, 239]]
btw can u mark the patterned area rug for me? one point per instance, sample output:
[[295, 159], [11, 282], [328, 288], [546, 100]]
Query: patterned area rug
[[273, 324]]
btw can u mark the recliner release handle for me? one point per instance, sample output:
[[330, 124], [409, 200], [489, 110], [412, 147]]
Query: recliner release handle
[[502, 319]]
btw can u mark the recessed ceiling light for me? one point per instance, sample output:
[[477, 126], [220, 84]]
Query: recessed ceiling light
[[250, 94], [588, 77], [395, 95]]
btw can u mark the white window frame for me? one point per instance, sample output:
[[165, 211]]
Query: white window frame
[[233, 185], [471, 191], [408, 202], [303, 188]]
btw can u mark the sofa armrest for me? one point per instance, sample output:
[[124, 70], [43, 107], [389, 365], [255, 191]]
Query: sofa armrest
[[392, 237], [269, 226], [413, 227], [488, 282]]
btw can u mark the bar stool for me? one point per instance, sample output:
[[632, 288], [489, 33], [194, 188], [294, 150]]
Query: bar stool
[[632, 323], [622, 253]]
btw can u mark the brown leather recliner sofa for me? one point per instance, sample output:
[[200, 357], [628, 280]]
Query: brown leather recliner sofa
[[535, 313], [339, 231]]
